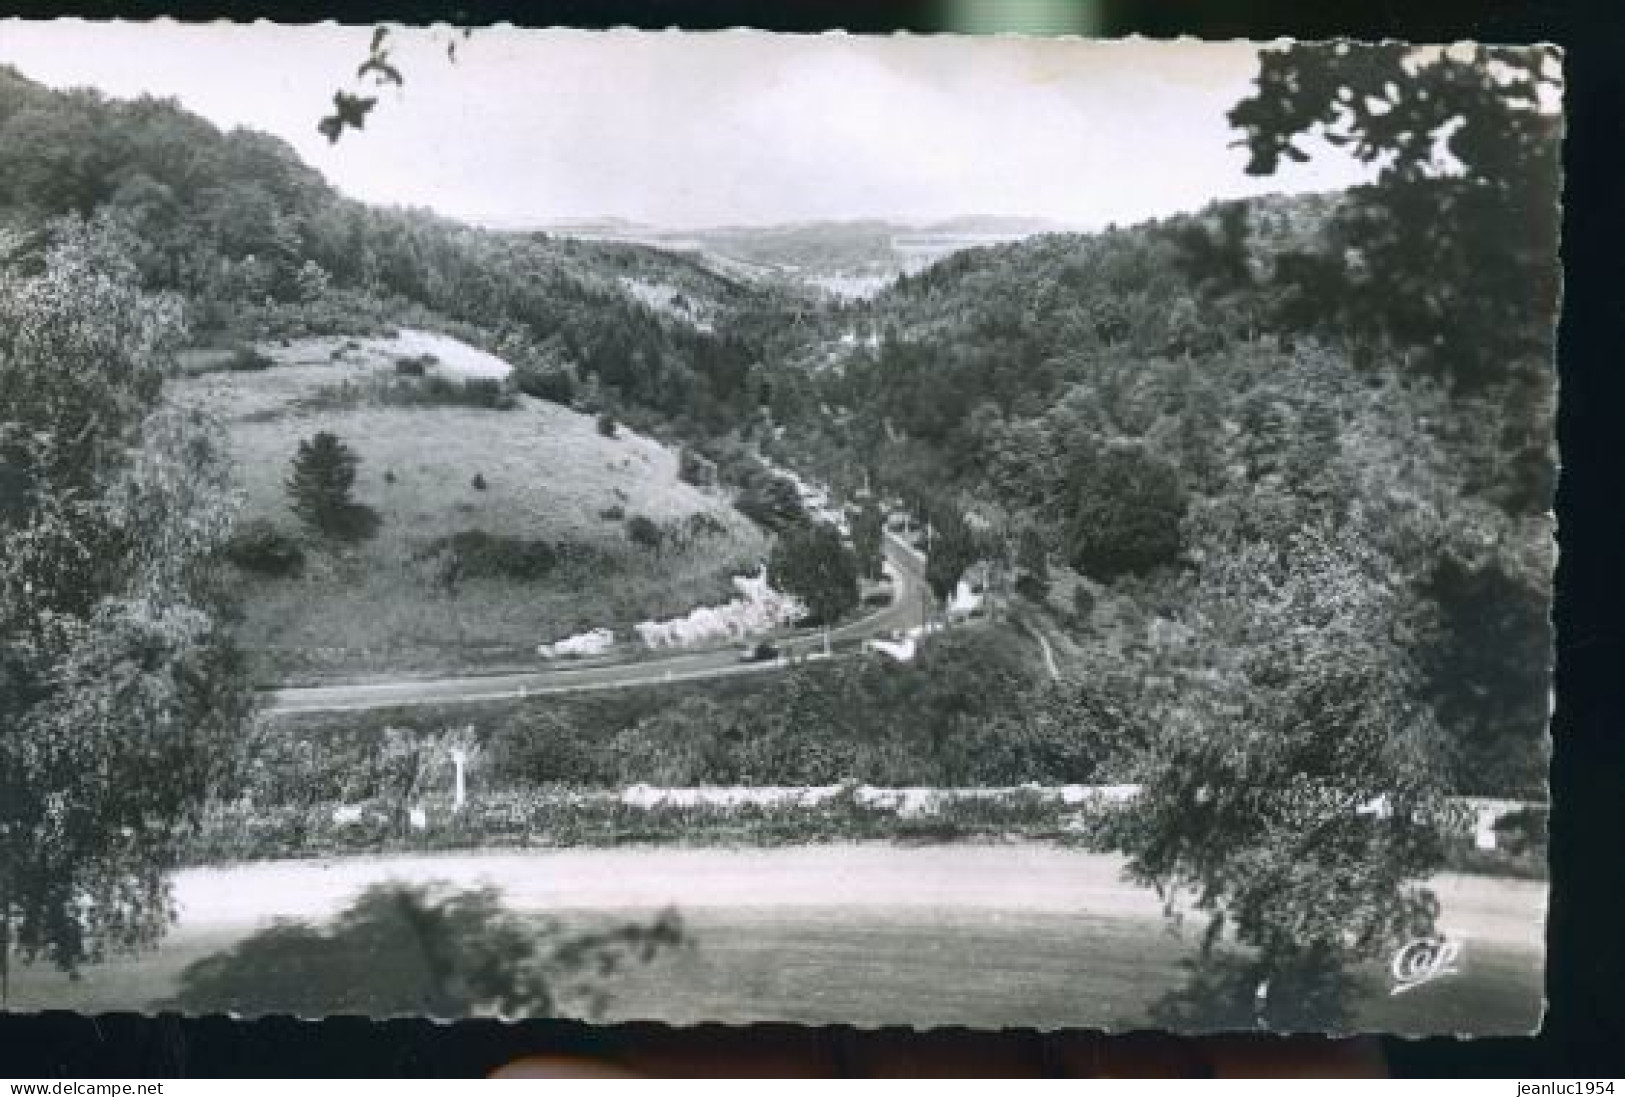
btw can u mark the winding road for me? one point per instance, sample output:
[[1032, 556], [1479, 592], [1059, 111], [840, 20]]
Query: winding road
[[903, 613]]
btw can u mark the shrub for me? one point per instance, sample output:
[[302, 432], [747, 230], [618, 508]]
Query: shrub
[[554, 817], [1033, 559], [644, 533], [703, 524], [694, 469], [486, 392], [775, 505], [606, 425], [1524, 831], [476, 554], [260, 547], [246, 359], [548, 748], [557, 386], [479, 481], [476, 392]]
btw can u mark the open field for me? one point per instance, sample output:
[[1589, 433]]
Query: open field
[[976, 934], [548, 474]]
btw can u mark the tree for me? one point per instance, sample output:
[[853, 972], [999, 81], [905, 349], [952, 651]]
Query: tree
[[1487, 663], [1291, 794], [1032, 557], [1127, 506], [121, 696], [319, 486], [868, 539], [814, 564], [311, 282], [1452, 252], [951, 550]]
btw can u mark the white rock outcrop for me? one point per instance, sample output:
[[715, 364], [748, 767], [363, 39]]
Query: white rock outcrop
[[758, 609], [597, 642]]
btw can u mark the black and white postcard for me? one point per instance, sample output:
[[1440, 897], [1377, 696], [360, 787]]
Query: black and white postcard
[[978, 531]]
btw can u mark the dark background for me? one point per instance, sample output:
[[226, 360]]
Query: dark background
[[1584, 1033]]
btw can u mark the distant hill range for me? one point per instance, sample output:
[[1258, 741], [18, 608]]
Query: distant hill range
[[843, 258]]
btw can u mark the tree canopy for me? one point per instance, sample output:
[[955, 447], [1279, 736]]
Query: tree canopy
[[120, 694], [812, 562], [1452, 252]]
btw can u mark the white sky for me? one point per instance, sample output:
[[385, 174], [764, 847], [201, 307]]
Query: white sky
[[705, 129]]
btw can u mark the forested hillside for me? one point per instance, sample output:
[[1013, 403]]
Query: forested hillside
[[1318, 394], [1205, 408], [260, 246]]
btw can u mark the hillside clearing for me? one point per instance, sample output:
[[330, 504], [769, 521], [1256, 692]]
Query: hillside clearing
[[548, 474]]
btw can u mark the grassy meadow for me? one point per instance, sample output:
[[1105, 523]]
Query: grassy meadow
[[547, 473]]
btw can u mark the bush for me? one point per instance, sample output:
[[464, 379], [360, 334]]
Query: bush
[[775, 505], [1032, 556], [488, 393], [476, 554], [262, 548], [554, 817], [557, 386], [694, 469], [246, 359], [474, 392], [644, 533], [547, 749], [1524, 831], [703, 524], [606, 425], [479, 482]]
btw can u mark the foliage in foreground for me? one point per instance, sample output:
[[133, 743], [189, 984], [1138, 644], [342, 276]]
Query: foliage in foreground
[[1294, 801], [1298, 797], [120, 696], [424, 950]]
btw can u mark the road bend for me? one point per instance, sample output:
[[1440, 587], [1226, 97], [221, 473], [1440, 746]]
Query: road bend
[[902, 613]]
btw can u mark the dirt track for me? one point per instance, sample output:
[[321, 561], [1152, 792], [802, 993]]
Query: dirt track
[[976, 934], [993, 876]]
